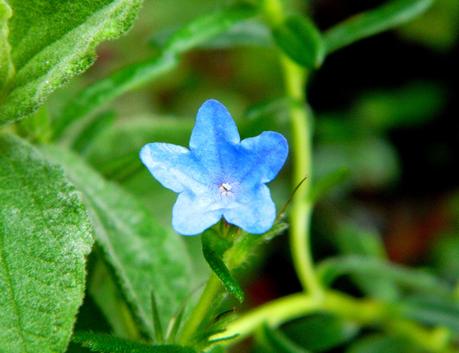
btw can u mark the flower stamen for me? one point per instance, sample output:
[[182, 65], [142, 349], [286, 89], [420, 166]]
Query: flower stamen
[[225, 189]]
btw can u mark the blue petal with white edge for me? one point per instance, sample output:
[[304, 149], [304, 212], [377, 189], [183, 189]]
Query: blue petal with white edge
[[192, 214], [267, 154], [253, 211], [174, 167]]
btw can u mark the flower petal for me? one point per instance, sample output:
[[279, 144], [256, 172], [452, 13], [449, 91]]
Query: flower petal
[[174, 167], [192, 214], [253, 211], [214, 137], [267, 154]]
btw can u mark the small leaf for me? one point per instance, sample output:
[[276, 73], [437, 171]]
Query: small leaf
[[387, 16], [174, 325], [158, 327], [45, 236], [301, 41], [103, 343], [51, 42], [327, 183], [213, 248], [332, 268], [142, 254], [276, 342], [6, 62], [320, 332], [136, 75]]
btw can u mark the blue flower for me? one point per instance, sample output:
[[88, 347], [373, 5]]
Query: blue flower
[[219, 175]]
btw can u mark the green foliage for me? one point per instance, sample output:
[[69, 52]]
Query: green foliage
[[372, 161], [144, 256], [387, 16], [409, 105], [433, 311], [408, 278], [320, 332], [115, 151], [274, 341], [89, 134], [327, 183], [353, 240], [136, 75], [45, 236], [299, 38], [382, 344], [214, 247], [102, 343], [53, 41], [6, 64]]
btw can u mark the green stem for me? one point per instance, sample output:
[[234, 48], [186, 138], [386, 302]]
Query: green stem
[[366, 312], [201, 310], [301, 137]]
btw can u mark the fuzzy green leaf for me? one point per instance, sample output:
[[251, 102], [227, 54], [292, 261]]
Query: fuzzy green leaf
[[53, 41], [299, 38], [103, 343], [385, 17], [6, 63], [143, 255], [45, 236], [131, 77], [213, 248]]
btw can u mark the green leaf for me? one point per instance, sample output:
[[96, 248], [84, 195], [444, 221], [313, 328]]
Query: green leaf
[[6, 63], [45, 236], [53, 41], [410, 105], [327, 183], [115, 151], [158, 327], [390, 15], [276, 342], [88, 135], [418, 280], [433, 311], [103, 343], [353, 239], [104, 290], [143, 255], [137, 75], [301, 41], [320, 332], [382, 344], [213, 248]]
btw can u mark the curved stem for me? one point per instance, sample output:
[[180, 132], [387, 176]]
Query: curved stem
[[301, 210], [366, 312]]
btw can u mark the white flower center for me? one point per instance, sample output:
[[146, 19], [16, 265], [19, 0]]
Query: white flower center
[[225, 189]]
